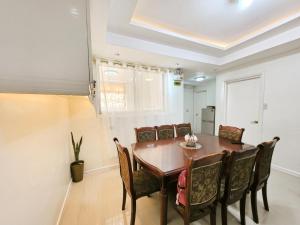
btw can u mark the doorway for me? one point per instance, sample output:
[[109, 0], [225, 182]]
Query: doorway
[[200, 102], [244, 101], [188, 105]]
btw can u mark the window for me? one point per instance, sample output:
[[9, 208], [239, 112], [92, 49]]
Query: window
[[129, 89]]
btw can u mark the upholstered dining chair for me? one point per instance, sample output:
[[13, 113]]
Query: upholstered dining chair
[[202, 188], [165, 132], [144, 134], [261, 175], [238, 173], [183, 129], [233, 134], [137, 184]]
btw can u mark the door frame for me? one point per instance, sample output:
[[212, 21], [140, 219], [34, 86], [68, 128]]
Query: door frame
[[194, 115], [261, 98]]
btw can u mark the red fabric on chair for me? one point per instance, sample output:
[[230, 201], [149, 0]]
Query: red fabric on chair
[[181, 185]]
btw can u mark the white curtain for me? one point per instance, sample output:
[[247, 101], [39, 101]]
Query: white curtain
[[137, 97]]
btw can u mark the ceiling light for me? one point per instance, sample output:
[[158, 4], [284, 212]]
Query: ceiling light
[[200, 78], [243, 4]]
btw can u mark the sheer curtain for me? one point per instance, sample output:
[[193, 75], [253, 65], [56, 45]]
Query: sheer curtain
[[132, 96]]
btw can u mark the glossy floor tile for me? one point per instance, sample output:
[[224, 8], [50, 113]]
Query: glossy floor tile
[[97, 201]]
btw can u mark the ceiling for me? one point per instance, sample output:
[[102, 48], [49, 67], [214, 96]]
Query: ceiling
[[200, 36]]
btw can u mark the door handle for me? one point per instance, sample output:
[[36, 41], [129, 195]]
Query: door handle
[[254, 122]]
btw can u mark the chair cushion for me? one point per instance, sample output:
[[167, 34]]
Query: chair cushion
[[144, 183]]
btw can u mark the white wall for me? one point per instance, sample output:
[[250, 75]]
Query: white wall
[[281, 118], [44, 46], [35, 157], [210, 88]]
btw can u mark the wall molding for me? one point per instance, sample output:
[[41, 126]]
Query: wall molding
[[64, 202], [102, 169], [285, 170]]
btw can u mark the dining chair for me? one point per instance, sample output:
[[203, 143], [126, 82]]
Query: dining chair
[[136, 183], [183, 129], [165, 132], [261, 175], [202, 188], [144, 134], [234, 134], [238, 172]]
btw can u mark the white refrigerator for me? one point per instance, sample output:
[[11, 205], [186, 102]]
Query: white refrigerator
[[208, 121]]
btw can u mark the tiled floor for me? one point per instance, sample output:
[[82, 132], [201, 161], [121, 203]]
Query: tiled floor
[[97, 201]]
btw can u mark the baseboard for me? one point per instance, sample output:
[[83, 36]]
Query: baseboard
[[102, 169], [64, 202], [285, 170]]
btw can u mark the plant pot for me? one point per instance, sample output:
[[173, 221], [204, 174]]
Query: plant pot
[[77, 169]]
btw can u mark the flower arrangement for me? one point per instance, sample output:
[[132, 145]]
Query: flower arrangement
[[190, 140]]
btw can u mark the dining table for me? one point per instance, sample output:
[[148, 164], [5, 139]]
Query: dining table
[[167, 158]]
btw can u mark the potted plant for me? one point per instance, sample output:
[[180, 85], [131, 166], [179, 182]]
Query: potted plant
[[77, 167]]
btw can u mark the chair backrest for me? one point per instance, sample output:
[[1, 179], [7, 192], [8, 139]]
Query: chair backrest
[[165, 132], [144, 134], [203, 182], [263, 161], [238, 174], [125, 167], [233, 134], [183, 129]]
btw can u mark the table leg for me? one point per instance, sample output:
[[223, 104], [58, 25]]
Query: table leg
[[164, 202], [134, 163]]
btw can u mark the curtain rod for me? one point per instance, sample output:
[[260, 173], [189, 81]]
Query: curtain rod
[[114, 62]]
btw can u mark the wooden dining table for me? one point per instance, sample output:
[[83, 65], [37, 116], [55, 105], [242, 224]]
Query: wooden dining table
[[166, 159]]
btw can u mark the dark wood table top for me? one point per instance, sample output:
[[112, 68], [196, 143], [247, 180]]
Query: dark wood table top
[[167, 157]]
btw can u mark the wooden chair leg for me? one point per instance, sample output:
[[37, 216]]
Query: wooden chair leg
[[213, 216], [242, 209], [133, 211], [264, 194], [224, 214], [254, 205], [124, 197]]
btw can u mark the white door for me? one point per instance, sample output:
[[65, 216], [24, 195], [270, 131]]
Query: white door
[[244, 100], [199, 104], [189, 105]]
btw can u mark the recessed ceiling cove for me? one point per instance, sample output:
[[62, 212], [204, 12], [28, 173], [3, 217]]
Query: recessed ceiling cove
[[222, 24], [214, 32]]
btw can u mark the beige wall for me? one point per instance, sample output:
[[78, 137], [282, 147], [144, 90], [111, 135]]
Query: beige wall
[[35, 156], [35, 153], [97, 148]]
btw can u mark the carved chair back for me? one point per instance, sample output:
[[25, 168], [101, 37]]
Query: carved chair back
[[165, 132], [263, 161], [203, 183], [233, 134], [125, 167], [238, 174], [183, 129], [144, 134]]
